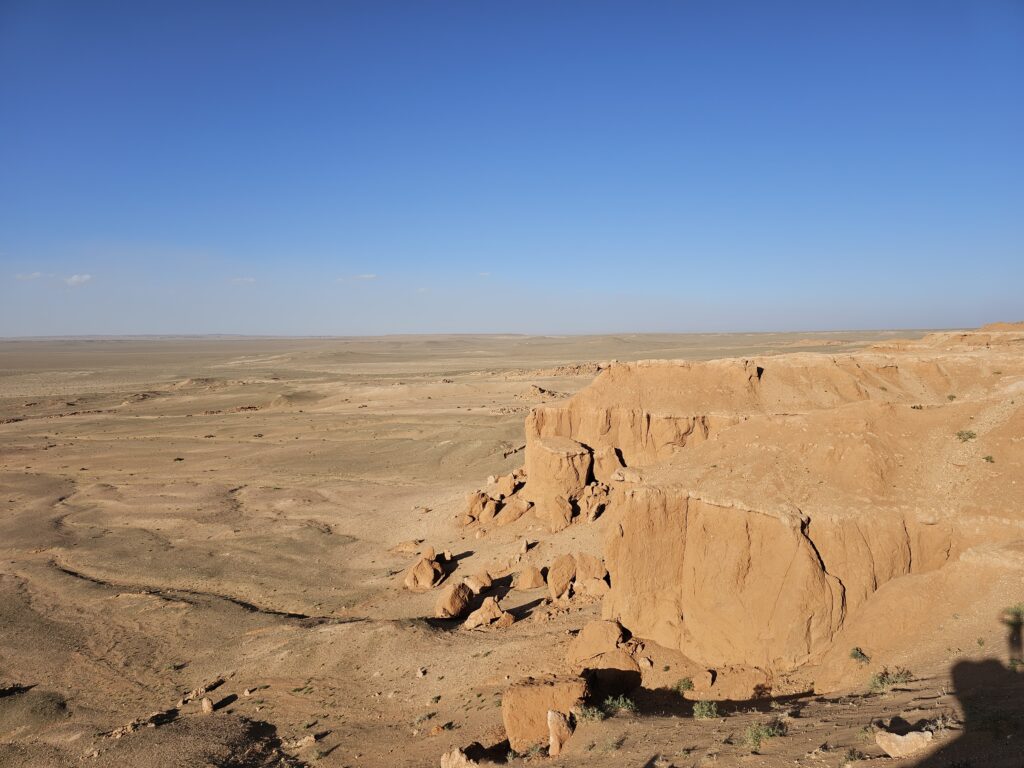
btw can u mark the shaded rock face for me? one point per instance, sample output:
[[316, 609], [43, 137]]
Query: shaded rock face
[[756, 507]]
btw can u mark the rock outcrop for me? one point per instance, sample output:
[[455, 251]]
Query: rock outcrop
[[525, 707], [755, 508]]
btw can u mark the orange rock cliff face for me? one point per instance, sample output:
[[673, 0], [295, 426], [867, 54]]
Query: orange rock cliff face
[[761, 511]]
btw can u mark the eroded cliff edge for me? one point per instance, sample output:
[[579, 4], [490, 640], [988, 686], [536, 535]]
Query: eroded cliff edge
[[772, 512]]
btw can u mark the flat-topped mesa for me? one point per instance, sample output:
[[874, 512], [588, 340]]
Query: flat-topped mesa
[[776, 496]]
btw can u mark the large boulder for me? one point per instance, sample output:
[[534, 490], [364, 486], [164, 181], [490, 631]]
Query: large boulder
[[525, 707], [595, 639], [453, 601], [423, 575], [556, 513], [505, 486], [529, 577], [560, 575], [480, 508], [598, 653], [512, 509], [478, 582], [613, 673]]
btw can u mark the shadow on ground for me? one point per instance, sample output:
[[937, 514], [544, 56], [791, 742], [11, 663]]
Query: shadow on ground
[[991, 695]]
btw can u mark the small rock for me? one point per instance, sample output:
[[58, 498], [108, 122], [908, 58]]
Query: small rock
[[207, 705], [421, 672]]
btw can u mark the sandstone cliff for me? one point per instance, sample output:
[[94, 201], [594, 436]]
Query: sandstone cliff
[[758, 506]]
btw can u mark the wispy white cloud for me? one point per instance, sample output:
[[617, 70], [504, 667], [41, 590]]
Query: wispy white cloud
[[29, 276], [242, 280], [76, 280]]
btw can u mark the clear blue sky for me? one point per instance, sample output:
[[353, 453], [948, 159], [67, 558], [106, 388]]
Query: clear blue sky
[[379, 167]]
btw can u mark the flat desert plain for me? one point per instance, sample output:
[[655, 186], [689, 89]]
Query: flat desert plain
[[263, 551]]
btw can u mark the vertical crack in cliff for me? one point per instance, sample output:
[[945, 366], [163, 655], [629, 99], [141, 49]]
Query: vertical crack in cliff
[[804, 525]]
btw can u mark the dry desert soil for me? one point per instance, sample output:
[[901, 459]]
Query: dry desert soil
[[206, 548]]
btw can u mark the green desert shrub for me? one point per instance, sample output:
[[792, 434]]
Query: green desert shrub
[[684, 685], [760, 732], [589, 713], [619, 703], [888, 678], [705, 710]]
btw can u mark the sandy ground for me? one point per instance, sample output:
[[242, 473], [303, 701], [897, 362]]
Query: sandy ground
[[220, 514]]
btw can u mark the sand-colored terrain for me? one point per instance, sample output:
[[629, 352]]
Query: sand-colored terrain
[[229, 524]]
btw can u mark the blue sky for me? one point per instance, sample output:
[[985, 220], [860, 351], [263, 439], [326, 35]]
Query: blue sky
[[544, 167]]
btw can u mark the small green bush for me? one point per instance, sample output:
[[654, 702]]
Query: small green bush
[[705, 710], [887, 678], [965, 434], [989, 459], [619, 703], [759, 732], [590, 713], [681, 686], [858, 655]]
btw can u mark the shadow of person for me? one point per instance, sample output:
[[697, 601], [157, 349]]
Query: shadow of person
[[991, 695]]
